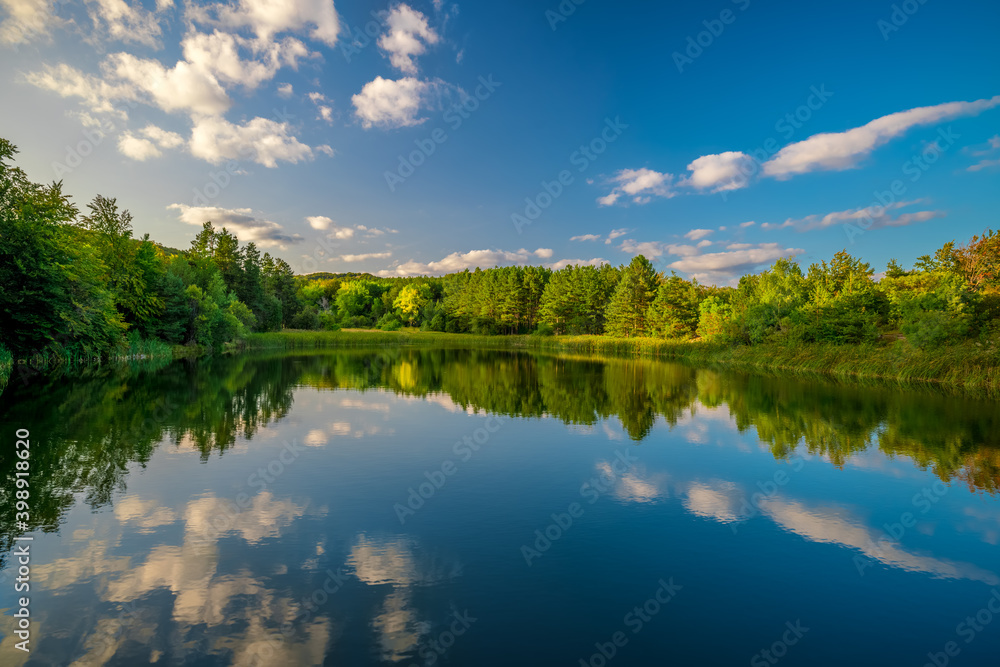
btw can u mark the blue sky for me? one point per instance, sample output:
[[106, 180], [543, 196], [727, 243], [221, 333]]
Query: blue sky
[[430, 136]]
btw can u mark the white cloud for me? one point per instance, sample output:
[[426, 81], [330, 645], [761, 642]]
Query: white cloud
[[563, 263], [640, 184], [407, 37], [285, 90], [654, 249], [163, 138], [731, 170], [704, 243], [696, 234], [615, 233], [149, 145], [484, 259], [387, 103], [365, 256], [725, 266], [184, 87], [319, 222], [240, 221], [269, 17], [748, 223], [586, 237], [137, 148], [983, 151], [720, 172], [119, 20], [218, 54], [870, 217], [97, 95], [844, 150], [26, 20], [262, 140]]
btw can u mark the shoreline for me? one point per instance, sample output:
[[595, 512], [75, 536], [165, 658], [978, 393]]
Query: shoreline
[[970, 368]]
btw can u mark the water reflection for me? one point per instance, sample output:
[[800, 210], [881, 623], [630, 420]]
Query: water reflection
[[220, 564]]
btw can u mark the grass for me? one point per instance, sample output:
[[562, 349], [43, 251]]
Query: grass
[[969, 366]]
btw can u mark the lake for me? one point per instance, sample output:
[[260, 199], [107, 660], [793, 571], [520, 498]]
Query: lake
[[456, 507]]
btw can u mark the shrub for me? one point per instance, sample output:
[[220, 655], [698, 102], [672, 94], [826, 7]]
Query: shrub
[[389, 322], [544, 329]]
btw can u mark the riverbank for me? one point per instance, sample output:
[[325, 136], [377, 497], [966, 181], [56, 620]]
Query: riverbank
[[970, 366]]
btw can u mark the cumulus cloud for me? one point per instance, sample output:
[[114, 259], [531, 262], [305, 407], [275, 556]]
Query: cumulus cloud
[[696, 234], [586, 237], [96, 94], [149, 144], [459, 261], [285, 90], [724, 266], [387, 103], [720, 172], [870, 217], [748, 223], [240, 221], [119, 20], [266, 18], [137, 148], [27, 20], [615, 233], [563, 263], [407, 36], [843, 150], [731, 170], [262, 140], [184, 87], [654, 249], [639, 184], [218, 54]]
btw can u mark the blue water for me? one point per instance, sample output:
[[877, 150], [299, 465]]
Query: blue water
[[446, 511]]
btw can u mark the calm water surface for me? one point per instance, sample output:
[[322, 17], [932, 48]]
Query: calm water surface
[[452, 507]]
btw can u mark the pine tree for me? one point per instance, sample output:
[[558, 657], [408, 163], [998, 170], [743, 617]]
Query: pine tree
[[626, 313]]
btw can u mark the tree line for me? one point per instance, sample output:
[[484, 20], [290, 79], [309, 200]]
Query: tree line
[[78, 283]]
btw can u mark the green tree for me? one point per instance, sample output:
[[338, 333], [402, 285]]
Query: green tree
[[628, 308]]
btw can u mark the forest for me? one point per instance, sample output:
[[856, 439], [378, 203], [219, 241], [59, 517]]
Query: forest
[[77, 284]]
